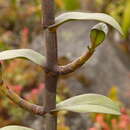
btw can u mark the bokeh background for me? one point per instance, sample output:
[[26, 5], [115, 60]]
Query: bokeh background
[[107, 72]]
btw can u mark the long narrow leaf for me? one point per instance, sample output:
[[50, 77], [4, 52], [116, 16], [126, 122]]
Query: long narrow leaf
[[74, 16], [89, 103], [15, 128], [23, 53]]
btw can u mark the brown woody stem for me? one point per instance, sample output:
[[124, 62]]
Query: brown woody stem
[[51, 59]]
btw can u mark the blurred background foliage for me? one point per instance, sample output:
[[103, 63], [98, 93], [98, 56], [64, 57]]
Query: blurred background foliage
[[20, 22]]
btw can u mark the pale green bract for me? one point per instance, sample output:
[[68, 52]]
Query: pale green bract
[[89, 103], [33, 56], [98, 34], [74, 16], [15, 128]]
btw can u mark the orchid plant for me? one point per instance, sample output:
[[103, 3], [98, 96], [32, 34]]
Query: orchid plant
[[82, 103]]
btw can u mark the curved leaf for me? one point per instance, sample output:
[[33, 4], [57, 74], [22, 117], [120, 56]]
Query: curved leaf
[[98, 34], [73, 16], [15, 128], [23, 53], [89, 103]]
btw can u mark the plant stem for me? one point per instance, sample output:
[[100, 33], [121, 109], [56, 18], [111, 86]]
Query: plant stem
[[51, 56]]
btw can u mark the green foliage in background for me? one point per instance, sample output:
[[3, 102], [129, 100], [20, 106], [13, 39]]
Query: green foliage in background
[[71, 4], [126, 18], [120, 10]]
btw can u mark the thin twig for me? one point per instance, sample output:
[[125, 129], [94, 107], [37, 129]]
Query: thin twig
[[74, 65], [20, 101], [6, 91]]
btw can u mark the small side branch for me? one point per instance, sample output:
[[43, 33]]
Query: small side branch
[[21, 102], [71, 67]]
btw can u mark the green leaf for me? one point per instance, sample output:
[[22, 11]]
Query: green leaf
[[74, 16], [89, 103], [71, 4], [126, 19], [98, 34], [23, 53], [15, 128]]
